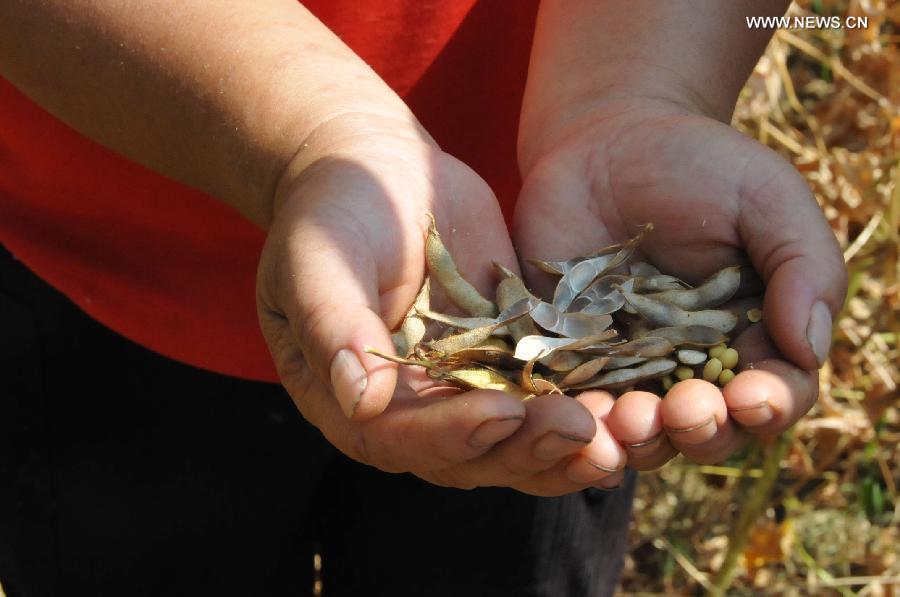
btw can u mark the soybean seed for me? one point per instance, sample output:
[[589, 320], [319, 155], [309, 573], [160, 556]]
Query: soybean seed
[[729, 358], [716, 351], [712, 369], [725, 376], [683, 373], [754, 315]]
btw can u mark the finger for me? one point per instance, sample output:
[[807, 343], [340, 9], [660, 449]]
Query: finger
[[635, 422], [696, 420], [329, 297], [604, 456], [798, 257], [770, 394], [413, 433], [555, 427], [598, 464]]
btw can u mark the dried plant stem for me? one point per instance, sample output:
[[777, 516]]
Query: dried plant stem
[[756, 501]]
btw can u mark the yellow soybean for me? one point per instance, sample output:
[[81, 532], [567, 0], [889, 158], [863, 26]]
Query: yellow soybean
[[712, 369], [729, 358], [683, 373], [725, 376], [716, 351]]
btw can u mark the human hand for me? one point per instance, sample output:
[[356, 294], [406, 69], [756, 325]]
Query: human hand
[[343, 262], [716, 198]]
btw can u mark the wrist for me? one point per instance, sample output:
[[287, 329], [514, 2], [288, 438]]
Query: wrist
[[366, 139]]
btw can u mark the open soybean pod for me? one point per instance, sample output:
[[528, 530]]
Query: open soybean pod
[[696, 336], [560, 268], [443, 270], [627, 377], [601, 297], [571, 325], [510, 291], [470, 338], [584, 273], [662, 313], [541, 346], [717, 289]]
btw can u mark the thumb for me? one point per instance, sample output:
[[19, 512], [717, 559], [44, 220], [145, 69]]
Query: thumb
[[326, 287], [791, 244]]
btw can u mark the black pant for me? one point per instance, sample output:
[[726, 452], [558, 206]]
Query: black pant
[[126, 473]]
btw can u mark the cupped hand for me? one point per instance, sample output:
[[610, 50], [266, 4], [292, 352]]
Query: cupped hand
[[716, 198], [342, 264]]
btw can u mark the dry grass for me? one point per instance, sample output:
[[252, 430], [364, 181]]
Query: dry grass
[[816, 512]]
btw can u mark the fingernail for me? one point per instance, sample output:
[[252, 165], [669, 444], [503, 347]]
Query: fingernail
[[670, 430], [493, 430], [605, 469], [647, 442], [348, 380], [753, 415], [818, 331], [555, 445]]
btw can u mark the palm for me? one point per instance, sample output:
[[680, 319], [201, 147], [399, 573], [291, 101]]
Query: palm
[[686, 180], [716, 199]]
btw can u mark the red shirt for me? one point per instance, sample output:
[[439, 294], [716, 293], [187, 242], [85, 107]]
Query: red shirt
[[174, 269]]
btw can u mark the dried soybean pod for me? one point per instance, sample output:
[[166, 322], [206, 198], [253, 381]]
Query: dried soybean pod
[[443, 269], [578, 279], [643, 269], [564, 360], [712, 369], [626, 377], [649, 346], [572, 325], [544, 386], [511, 290], [691, 357], [527, 378], [583, 274], [622, 362], [542, 346], [559, 268], [465, 323], [412, 330], [482, 379], [729, 358], [583, 372], [663, 313], [690, 335], [714, 291], [453, 344], [658, 283], [493, 351]]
